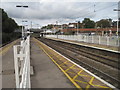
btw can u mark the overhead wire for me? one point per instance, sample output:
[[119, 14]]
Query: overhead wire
[[94, 10], [97, 10]]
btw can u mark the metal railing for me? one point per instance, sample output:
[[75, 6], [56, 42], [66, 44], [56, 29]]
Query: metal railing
[[97, 39], [22, 64]]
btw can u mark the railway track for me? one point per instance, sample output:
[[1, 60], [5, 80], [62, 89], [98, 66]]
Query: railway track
[[112, 62], [103, 66]]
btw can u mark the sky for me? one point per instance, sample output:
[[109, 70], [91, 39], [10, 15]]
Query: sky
[[43, 12]]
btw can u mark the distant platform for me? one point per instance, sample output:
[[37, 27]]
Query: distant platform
[[98, 46]]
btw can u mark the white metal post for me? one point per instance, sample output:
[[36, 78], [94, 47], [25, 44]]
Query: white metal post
[[118, 41], [16, 67], [84, 38], [99, 39], [117, 27], [28, 42], [92, 39], [22, 30], [77, 28], [107, 40]]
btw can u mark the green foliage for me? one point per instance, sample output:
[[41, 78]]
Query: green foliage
[[103, 23], [8, 24], [88, 23], [50, 26], [8, 28], [8, 37], [4, 15], [44, 27]]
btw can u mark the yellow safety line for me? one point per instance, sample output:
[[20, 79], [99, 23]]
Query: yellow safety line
[[81, 81], [69, 68], [76, 68], [60, 59], [61, 68], [90, 82], [77, 74], [57, 56], [5, 49], [99, 86], [87, 87], [84, 75], [64, 63]]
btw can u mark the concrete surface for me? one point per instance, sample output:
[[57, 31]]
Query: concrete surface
[[7, 70], [8, 76], [0, 72], [46, 73]]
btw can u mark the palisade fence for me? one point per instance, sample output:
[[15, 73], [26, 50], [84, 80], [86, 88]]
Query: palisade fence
[[22, 64], [97, 39]]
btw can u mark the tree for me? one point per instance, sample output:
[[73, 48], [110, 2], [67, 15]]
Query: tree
[[4, 15], [8, 24], [8, 27], [44, 27], [88, 23], [104, 23], [50, 26]]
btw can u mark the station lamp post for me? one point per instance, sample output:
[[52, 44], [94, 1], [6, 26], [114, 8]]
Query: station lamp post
[[117, 21], [77, 27], [22, 6], [23, 31], [57, 28]]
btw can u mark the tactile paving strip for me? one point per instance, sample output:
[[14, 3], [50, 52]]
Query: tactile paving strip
[[80, 78]]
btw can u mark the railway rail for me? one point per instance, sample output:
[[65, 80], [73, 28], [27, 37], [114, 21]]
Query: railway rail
[[106, 67]]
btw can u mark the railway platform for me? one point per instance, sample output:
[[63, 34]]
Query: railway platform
[[79, 76], [7, 64], [97, 46], [46, 74], [51, 70]]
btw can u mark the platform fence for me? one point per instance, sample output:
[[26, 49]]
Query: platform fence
[[22, 64], [96, 39]]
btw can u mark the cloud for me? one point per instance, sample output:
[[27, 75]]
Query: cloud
[[60, 0], [46, 10]]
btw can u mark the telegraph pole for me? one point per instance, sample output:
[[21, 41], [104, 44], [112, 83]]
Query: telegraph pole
[[31, 24], [117, 21], [118, 18]]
